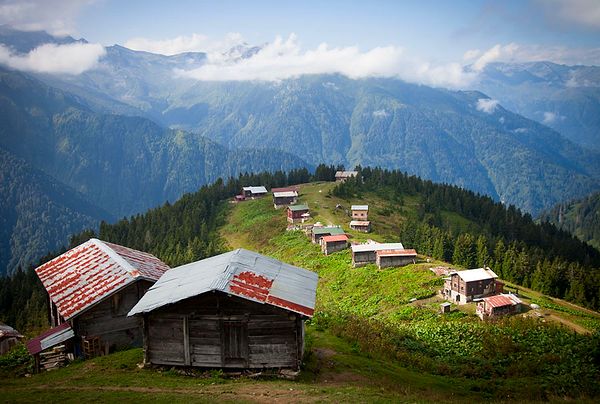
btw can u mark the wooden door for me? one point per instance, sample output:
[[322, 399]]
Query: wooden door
[[235, 344]]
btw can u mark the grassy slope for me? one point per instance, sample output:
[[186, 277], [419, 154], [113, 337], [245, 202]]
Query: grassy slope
[[335, 369]]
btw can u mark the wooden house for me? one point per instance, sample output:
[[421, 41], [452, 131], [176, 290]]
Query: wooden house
[[319, 231], [238, 310], [341, 176], [331, 244], [363, 254], [254, 191], [9, 337], [364, 226], [464, 286], [284, 198], [91, 289], [395, 258], [498, 305], [297, 213], [360, 212]]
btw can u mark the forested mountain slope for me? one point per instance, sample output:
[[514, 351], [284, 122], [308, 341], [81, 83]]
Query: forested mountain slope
[[580, 218]]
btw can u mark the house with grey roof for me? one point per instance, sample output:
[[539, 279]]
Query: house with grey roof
[[237, 310]]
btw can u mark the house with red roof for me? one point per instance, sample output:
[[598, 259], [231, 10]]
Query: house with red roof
[[498, 305], [333, 243], [91, 289]]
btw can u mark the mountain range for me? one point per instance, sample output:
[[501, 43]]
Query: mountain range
[[133, 132]]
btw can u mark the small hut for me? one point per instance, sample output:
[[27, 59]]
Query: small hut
[[254, 191], [284, 198], [331, 244], [297, 213], [341, 176], [9, 337], [395, 258], [238, 310], [91, 289], [318, 232], [363, 254], [364, 226], [498, 305]]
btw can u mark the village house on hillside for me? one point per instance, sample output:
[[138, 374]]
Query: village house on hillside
[[92, 287], [297, 213], [341, 176], [364, 226], [360, 212], [464, 286], [284, 196], [363, 254], [395, 258], [9, 337], [319, 231], [498, 305], [238, 310], [331, 244], [254, 191]]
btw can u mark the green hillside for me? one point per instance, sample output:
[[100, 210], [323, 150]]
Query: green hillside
[[580, 218], [367, 341]]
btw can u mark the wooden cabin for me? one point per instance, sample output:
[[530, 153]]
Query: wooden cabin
[[464, 286], [91, 289], [331, 244], [319, 231], [364, 226], [395, 258], [360, 212], [341, 176], [9, 337], [498, 305], [254, 191], [238, 310], [363, 254], [297, 213], [284, 198]]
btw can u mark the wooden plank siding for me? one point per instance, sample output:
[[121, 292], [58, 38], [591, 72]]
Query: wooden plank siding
[[108, 319], [221, 331]]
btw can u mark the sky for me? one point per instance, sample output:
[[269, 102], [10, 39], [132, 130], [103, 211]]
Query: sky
[[379, 37]]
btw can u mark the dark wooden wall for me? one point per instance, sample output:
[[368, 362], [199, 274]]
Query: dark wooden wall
[[108, 319], [391, 261], [215, 330]]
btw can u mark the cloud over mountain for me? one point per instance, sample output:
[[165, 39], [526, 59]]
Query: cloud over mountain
[[74, 58]]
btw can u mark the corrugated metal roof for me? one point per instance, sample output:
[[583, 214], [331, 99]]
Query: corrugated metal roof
[[7, 331], [396, 253], [359, 223], [328, 230], [256, 190], [92, 271], [359, 207], [374, 246], [478, 274], [502, 300], [243, 273], [285, 194], [337, 237], [346, 174], [295, 208], [50, 338], [295, 188]]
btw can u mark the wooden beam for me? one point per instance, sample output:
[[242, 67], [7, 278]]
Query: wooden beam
[[145, 337], [186, 341]]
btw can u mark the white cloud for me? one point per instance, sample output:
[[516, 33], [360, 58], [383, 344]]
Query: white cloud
[[486, 105], [192, 43], [584, 13], [521, 130], [56, 16], [380, 113], [471, 54], [72, 58], [493, 54], [283, 59]]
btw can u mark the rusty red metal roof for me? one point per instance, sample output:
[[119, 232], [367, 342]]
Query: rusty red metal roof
[[92, 271], [295, 188], [501, 300], [242, 273], [394, 253], [337, 237]]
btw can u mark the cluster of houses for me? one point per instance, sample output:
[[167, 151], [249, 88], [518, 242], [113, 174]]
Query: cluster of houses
[[237, 310]]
